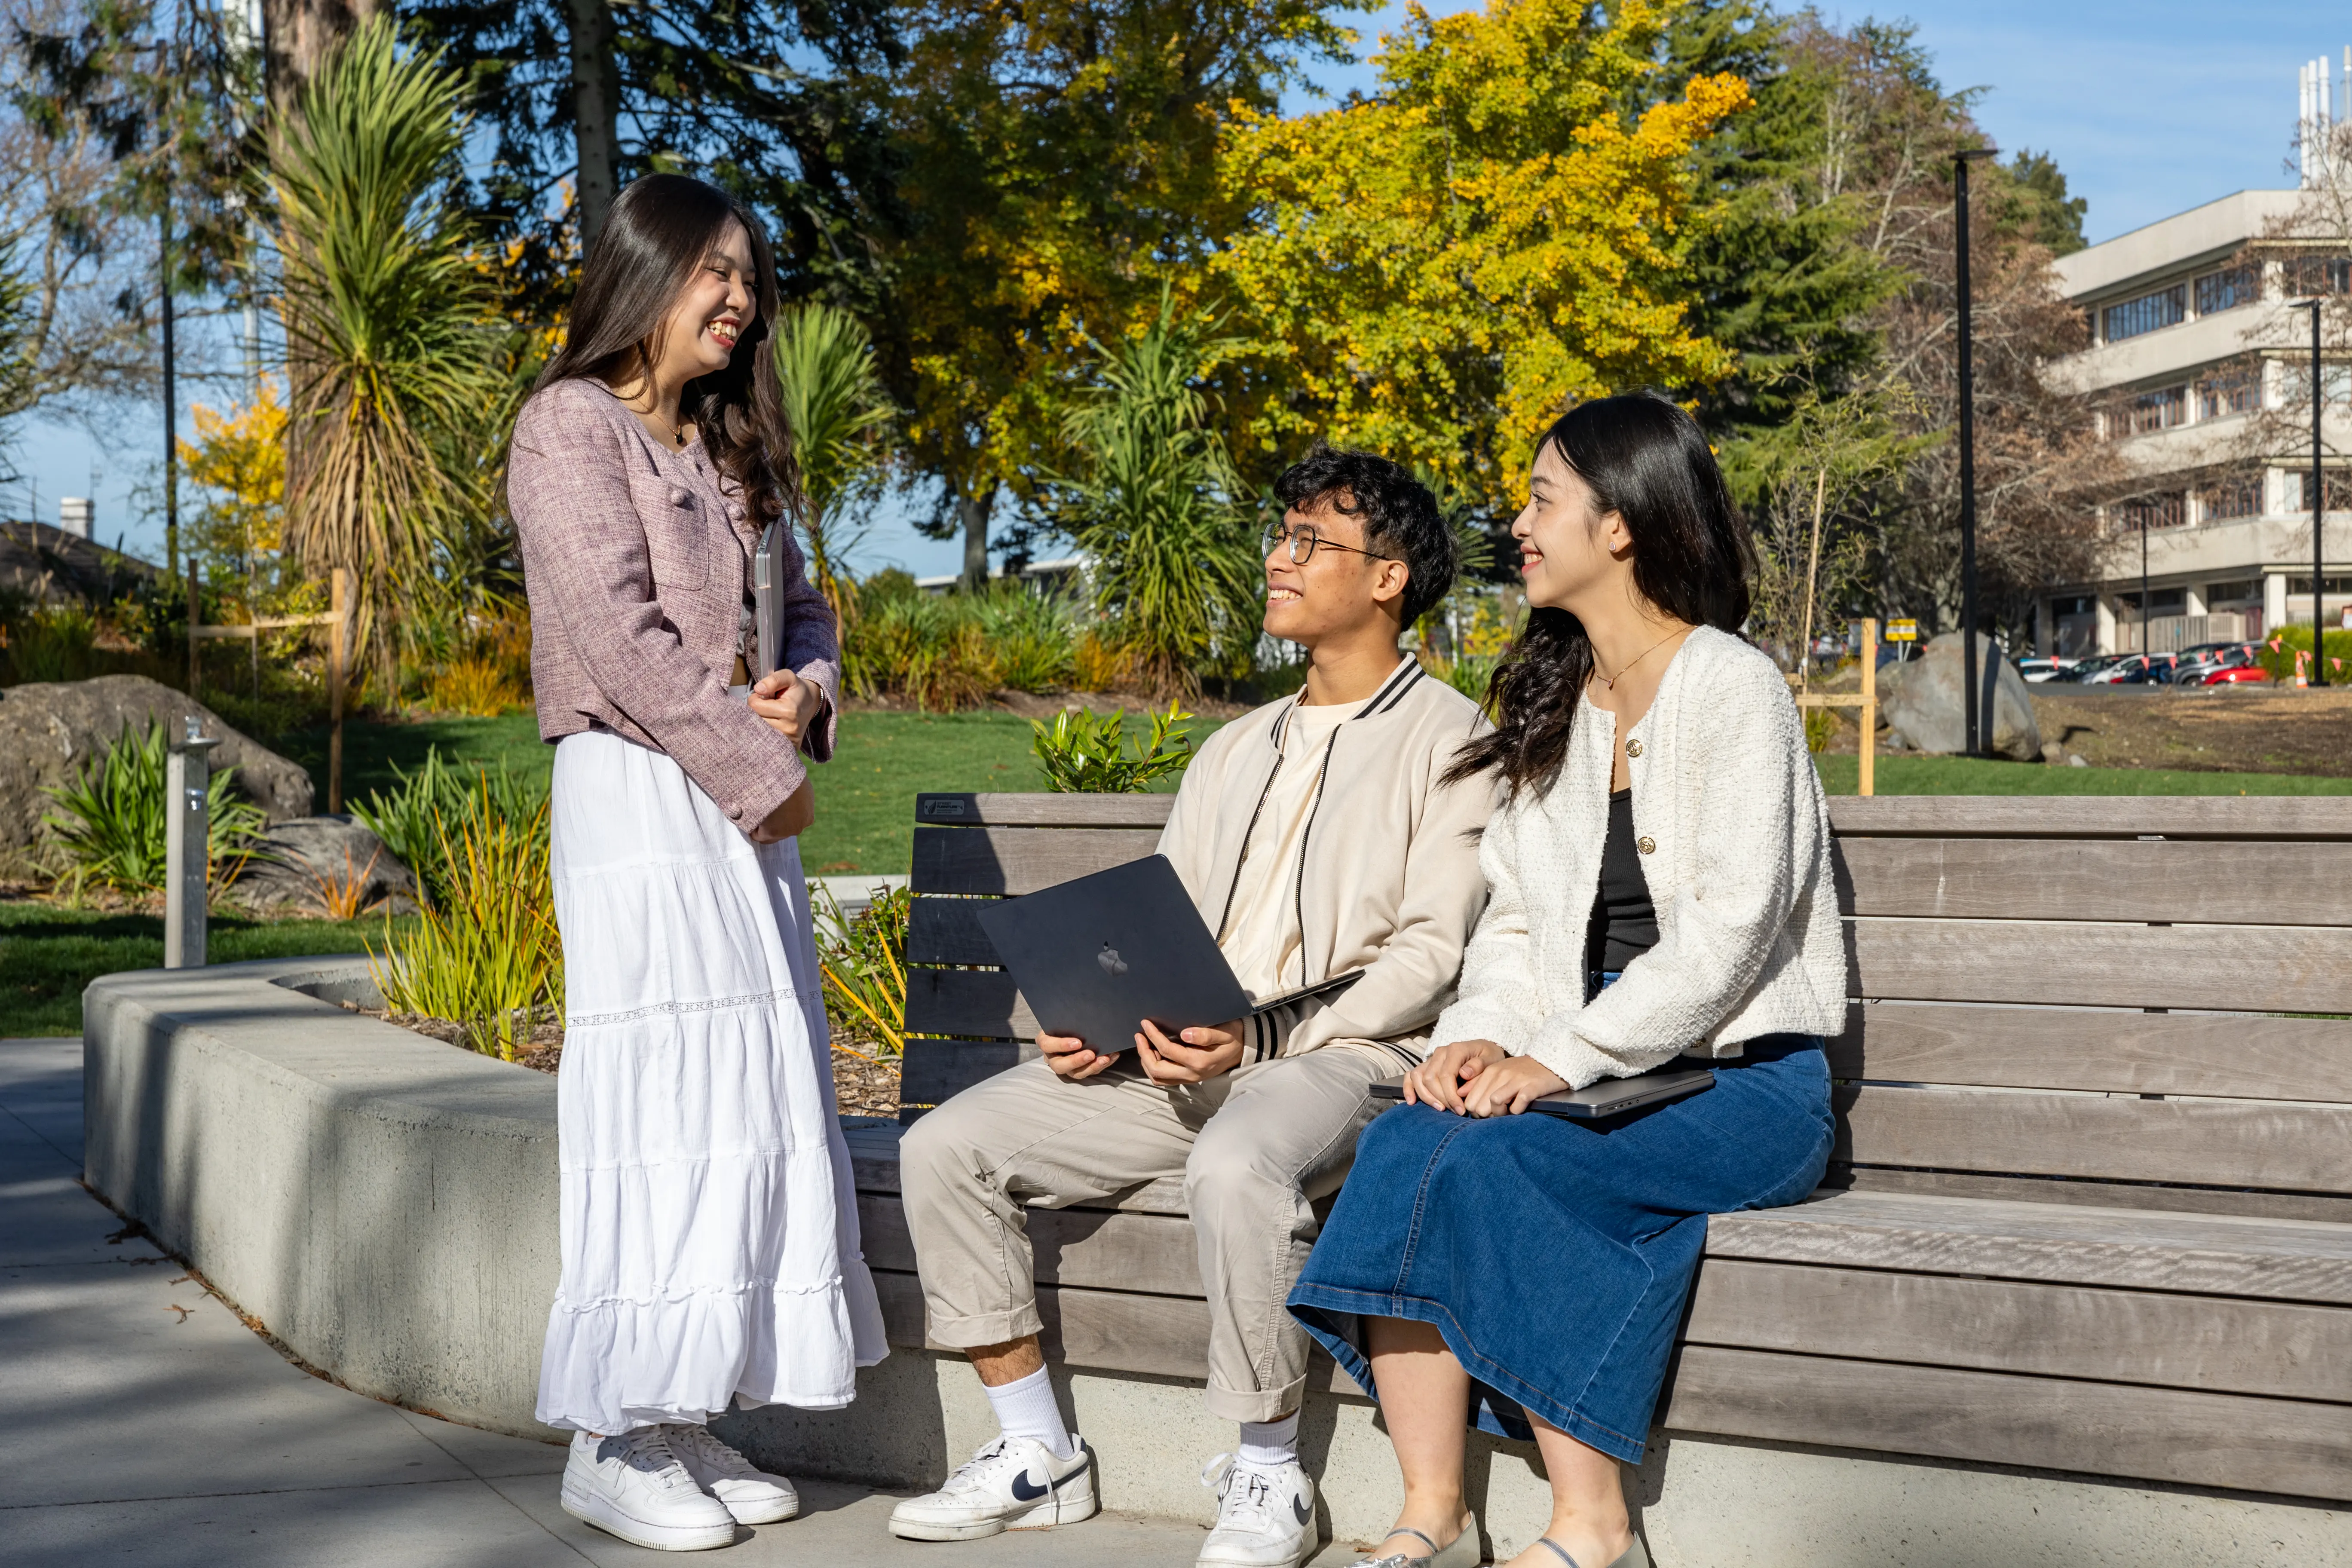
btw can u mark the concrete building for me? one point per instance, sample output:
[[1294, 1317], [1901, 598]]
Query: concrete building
[[2190, 347]]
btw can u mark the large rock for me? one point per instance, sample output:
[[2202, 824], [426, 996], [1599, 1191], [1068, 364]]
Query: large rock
[[1923, 699], [299, 863], [50, 731]]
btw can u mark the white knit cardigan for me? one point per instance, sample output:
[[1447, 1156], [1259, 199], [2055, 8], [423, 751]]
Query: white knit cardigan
[[1734, 843]]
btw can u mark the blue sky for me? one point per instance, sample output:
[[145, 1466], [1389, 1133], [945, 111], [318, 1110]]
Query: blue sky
[[2149, 108]]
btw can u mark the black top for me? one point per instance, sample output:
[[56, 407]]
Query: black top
[[1624, 922]]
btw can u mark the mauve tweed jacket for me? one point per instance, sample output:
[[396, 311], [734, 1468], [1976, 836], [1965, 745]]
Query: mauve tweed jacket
[[635, 562]]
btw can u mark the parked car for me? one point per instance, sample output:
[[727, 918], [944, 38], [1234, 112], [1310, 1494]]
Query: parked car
[[2235, 675], [2089, 668], [2211, 658], [2132, 669], [2041, 669]]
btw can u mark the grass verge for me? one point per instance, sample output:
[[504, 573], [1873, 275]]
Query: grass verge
[[48, 954]]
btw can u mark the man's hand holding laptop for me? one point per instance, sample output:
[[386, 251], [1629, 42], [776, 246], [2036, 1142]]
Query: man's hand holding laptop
[[1198, 1055]]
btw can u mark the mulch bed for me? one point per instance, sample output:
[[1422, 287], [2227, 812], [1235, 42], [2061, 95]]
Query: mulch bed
[[864, 1086]]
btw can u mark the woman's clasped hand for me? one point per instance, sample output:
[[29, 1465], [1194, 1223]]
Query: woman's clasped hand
[[1479, 1078]]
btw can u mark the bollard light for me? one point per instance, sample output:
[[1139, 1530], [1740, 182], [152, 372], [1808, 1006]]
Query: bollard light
[[187, 845]]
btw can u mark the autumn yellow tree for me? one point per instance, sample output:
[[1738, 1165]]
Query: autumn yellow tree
[[1437, 271], [236, 467]]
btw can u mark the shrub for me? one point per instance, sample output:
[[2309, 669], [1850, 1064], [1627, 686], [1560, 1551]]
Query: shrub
[[1085, 754], [116, 824], [1029, 637], [474, 685], [2280, 647], [56, 642], [864, 962], [429, 810], [1821, 729], [485, 955]]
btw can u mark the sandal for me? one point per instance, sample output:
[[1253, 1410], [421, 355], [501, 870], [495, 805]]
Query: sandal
[[1634, 1556], [1461, 1553]]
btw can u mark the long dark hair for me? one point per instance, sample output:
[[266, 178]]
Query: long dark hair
[[1648, 462], [658, 232]]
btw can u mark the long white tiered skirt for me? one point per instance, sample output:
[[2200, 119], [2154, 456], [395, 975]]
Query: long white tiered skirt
[[709, 1225]]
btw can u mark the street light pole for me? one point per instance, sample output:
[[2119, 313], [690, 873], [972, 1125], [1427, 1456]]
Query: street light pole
[[1973, 739]]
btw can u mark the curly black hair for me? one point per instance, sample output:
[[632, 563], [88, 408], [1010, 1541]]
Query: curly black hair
[[1648, 461], [1400, 516]]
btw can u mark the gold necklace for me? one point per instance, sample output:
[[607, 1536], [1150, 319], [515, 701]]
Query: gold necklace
[[1610, 681]]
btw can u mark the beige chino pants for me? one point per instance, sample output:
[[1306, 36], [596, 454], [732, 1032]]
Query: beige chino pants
[[1255, 1147]]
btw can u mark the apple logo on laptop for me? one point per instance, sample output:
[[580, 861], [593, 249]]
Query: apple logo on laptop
[[1111, 962]]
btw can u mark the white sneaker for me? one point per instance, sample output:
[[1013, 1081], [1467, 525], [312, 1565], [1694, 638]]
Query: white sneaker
[[1265, 1515], [1013, 1483], [632, 1485], [750, 1493]]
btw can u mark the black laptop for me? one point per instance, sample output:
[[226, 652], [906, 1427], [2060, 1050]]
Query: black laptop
[[1096, 955]]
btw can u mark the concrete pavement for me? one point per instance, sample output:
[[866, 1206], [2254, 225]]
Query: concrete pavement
[[142, 1424]]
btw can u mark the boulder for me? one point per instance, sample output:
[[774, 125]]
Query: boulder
[[299, 861], [1922, 698], [50, 732]]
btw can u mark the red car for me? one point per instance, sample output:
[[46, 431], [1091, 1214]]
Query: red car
[[2235, 674]]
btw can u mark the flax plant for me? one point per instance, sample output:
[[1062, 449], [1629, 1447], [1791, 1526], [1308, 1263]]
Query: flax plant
[[486, 956], [864, 962], [387, 318]]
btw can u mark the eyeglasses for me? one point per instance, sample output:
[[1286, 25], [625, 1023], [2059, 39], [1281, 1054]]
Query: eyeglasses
[[1302, 541]]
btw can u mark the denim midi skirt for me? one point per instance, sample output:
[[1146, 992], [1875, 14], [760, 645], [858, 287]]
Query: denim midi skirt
[[1555, 1255]]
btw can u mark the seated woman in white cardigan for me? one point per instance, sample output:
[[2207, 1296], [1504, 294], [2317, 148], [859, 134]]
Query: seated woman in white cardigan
[[1659, 898]]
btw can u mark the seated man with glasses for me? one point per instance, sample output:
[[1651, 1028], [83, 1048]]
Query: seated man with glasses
[[1317, 839]]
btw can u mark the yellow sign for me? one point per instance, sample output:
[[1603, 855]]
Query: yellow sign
[[1903, 631]]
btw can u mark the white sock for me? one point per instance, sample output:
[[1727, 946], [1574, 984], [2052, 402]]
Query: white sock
[[1266, 1444], [1026, 1407]]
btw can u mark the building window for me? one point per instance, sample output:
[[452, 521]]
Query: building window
[[2302, 586], [2165, 308], [2168, 511], [2243, 591], [2308, 275], [2229, 389], [2238, 495], [2295, 383], [2082, 605], [2158, 410], [2160, 602], [2227, 290], [2339, 490]]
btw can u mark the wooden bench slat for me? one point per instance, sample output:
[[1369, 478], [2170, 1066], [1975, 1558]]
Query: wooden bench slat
[[2231, 1056], [947, 931], [2284, 1350], [935, 1071], [2183, 880], [2281, 1260], [986, 810], [981, 1002], [2071, 1191], [2279, 969], [2239, 1441], [2092, 816], [1011, 860], [2218, 1144]]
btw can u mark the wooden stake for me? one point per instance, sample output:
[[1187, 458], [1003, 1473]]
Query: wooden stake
[[336, 624], [1866, 779], [196, 654]]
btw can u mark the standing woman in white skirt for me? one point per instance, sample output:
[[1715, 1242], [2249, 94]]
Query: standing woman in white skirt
[[709, 1227]]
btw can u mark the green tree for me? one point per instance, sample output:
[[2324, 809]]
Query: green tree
[[389, 331], [1156, 502], [839, 412], [1058, 165]]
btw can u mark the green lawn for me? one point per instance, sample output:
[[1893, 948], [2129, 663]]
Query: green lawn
[[371, 750], [1966, 775], [48, 954]]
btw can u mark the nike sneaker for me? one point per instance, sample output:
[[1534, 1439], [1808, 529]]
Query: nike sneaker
[[1265, 1515], [632, 1486], [749, 1492], [1013, 1483]]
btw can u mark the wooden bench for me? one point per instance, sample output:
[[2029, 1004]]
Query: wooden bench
[[2091, 1206]]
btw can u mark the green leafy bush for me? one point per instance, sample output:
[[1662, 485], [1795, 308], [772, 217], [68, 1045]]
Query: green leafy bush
[[428, 812], [113, 822], [864, 962], [57, 642], [2280, 647], [1083, 754], [485, 955], [945, 652]]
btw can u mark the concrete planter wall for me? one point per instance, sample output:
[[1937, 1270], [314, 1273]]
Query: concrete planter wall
[[386, 1206]]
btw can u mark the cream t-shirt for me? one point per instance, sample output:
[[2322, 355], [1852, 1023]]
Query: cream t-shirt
[[1260, 939]]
